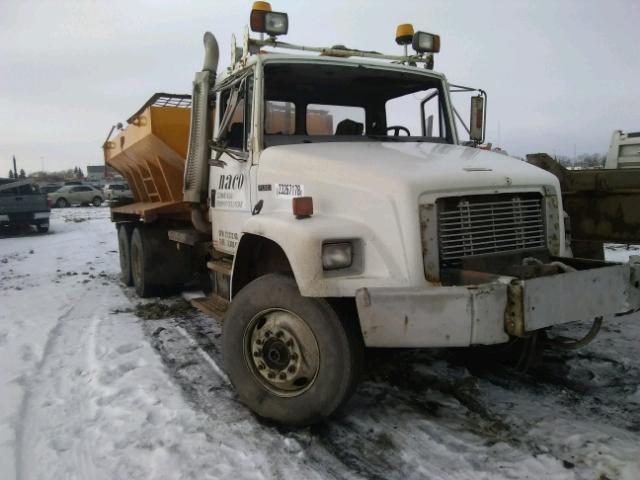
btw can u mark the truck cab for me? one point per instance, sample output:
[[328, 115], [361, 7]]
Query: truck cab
[[374, 148]]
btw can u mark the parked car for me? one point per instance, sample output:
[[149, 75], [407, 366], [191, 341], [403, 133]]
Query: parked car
[[21, 203], [118, 192], [76, 195], [49, 188]]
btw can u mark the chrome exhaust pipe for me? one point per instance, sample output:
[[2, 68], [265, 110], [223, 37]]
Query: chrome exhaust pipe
[[196, 172], [211, 53]]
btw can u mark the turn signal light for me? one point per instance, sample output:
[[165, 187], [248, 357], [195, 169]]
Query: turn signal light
[[302, 207], [404, 34], [262, 6]]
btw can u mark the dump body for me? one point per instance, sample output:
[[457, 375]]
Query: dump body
[[150, 153], [602, 204]]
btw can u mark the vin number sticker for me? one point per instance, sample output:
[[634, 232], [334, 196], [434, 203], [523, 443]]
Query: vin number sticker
[[289, 190]]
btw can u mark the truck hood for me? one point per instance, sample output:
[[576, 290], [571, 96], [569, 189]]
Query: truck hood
[[418, 166]]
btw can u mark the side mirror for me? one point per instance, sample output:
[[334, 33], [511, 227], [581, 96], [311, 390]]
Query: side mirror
[[476, 130]]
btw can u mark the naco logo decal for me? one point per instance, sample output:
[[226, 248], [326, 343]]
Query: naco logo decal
[[231, 182], [229, 193]]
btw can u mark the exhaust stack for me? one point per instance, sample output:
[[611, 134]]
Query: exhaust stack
[[196, 173]]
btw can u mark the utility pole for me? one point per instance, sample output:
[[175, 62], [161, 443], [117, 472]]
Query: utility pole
[[15, 169]]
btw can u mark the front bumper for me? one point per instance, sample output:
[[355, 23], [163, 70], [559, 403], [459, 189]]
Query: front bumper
[[489, 313]]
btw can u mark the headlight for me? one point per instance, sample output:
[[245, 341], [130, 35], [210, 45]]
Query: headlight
[[426, 42], [265, 21], [337, 255], [276, 23]]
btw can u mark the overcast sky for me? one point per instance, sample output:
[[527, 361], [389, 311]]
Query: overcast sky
[[558, 74]]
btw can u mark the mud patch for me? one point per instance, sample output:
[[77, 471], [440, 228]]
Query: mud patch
[[178, 308]]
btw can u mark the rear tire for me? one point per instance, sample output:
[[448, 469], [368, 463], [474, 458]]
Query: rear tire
[[42, 228], [62, 203], [157, 266], [97, 201], [290, 358], [140, 264], [124, 248]]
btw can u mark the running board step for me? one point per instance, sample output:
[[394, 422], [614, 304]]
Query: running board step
[[214, 306], [221, 266]]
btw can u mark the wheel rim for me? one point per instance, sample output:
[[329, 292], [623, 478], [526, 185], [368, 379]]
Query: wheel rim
[[281, 352], [96, 202], [62, 202]]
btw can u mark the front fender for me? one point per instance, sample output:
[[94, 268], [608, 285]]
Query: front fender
[[301, 240]]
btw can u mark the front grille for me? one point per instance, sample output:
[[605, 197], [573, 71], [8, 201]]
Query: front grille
[[486, 224]]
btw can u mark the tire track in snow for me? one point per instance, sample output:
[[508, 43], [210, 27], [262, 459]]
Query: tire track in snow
[[53, 388], [29, 385], [207, 358]]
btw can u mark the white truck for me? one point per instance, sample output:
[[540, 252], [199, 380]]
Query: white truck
[[335, 208], [624, 150]]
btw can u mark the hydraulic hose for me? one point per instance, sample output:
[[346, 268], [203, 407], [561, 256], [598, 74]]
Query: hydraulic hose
[[570, 344]]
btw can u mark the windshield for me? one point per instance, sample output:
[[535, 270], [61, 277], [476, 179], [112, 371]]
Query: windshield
[[332, 103]]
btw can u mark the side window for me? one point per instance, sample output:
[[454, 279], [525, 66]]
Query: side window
[[279, 118], [419, 112], [334, 120], [238, 98], [432, 115]]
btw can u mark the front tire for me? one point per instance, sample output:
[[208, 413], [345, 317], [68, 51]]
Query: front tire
[[62, 203], [290, 358], [97, 201]]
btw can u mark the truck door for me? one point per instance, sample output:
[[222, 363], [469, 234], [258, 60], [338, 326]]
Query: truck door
[[229, 178]]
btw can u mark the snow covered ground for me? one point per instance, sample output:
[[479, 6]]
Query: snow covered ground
[[96, 384]]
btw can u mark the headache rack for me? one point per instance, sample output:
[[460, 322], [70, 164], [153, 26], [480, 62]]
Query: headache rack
[[488, 224], [161, 99]]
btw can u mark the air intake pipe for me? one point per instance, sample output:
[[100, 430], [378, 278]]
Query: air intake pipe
[[196, 172]]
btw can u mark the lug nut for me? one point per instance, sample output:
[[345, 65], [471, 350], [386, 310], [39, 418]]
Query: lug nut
[[261, 366], [258, 342], [280, 334], [256, 353], [294, 356], [289, 343], [291, 369], [271, 375], [267, 333], [283, 376]]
